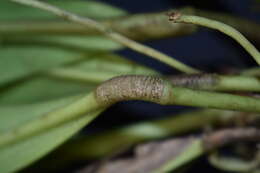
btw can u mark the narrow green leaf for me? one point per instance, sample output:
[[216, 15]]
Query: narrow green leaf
[[18, 155], [113, 63], [81, 77], [80, 43], [17, 62], [85, 43], [13, 116], [42, 89], [85, 8]]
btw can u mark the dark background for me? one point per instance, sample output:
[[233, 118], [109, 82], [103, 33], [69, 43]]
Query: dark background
[[207, 50]]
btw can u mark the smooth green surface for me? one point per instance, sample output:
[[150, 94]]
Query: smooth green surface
[[13, 116], [239, 83], [17, 61], [81, 43], [188, 97], [87, 8], [42, 89], [28, 151], [52, 119], [18, 155], [65, 81]]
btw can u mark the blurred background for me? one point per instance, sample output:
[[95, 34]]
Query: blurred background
[[207, 50]]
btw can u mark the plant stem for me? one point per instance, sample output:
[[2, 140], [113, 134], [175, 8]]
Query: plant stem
[[216, 82], [67, 113], [142, 23], [124, 88], [226, 29], [249, 28], [194, 81], [154, 25], [251, 72], [86, 77], [110, 34]]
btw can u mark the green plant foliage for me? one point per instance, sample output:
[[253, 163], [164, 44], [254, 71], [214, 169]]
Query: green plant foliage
[[42, 89], [32, 93], [85, 8], [18, 62], [90, 71], [18, 155], [86, 43], [48, 85]]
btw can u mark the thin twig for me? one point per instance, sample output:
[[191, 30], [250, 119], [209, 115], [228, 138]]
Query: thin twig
[[226, 29], [110, 34], [249, 28]]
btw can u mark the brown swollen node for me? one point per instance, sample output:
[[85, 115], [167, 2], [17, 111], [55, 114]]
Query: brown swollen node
[[173, 16]]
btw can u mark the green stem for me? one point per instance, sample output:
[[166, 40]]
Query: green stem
[[193, 81], [142, 23], [110, 34], [251, 72], [84, 105], [216, 82], [125, 88], [87, 76], [104, 144], [249, 28], [226, 29]]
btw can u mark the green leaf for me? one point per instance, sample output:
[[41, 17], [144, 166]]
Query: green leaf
[[17, 62], [85, 8], [86, 74], [86, 43], [113, 63], [16, 156], [42, 89], [75, 43]]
